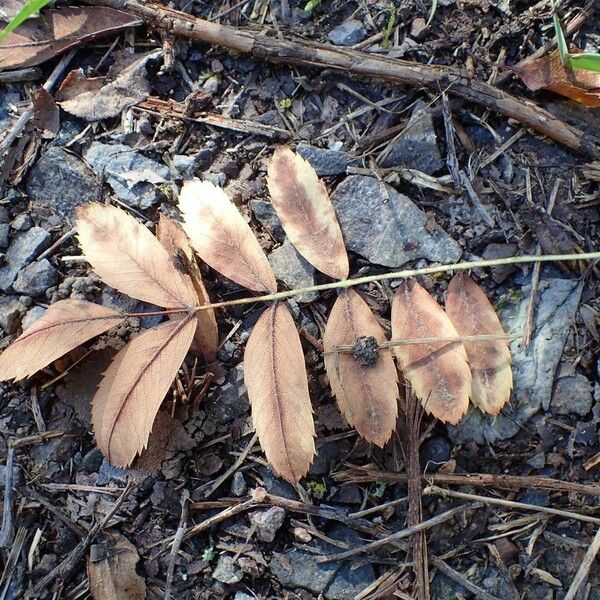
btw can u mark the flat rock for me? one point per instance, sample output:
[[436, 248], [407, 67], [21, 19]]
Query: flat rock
[[25, 246], [348, 33], [134, 178], [33, 314], [60, 182], [386, 227], [36, 278], [291, 268], [417, 146], [324, 161], [335, 580], [572, 395], [267, 522], [227, 571], [534, 367], [4, 235], [11, 310]]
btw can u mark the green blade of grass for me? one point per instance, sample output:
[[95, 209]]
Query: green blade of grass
[[585, 62], [434, 5], [561, 42], [28, 9]]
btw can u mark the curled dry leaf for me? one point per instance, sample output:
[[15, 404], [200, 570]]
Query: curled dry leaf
[[64, 326], [472, 314], [128, 257], [111, 570], [367, 395], [46, 117], [222, 238], [171, 235], [134, 385], [307, 215], [437, 372], [275, 377], [98, 98], [549, 73], [40, 39]]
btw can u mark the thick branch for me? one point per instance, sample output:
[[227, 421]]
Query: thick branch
[[321, 56]]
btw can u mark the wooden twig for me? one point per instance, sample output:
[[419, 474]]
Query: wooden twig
[[185, 497], [509, 482], [8, 527], [354, 62], [433, 489], [398, 535], [584, 567]]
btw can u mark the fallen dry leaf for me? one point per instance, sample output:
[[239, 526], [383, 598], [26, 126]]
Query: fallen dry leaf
[[111, 570], [302, 203], [40, 39], [65, 325], [472, 314], [275, 377], [549, 73], [222, 238], [437, 372], [367, 394], [46, 116], [128, 257], [172, 236], [97, 98], [134, 386]]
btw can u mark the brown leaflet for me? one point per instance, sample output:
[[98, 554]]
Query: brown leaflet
[[56, 30], [437, 372], [549, 73], [46, 116], [366, 395], [111, 569], [307, 215], [222, 238], [65, 325], [472, 314], [275, 377], [171, 235], [128, 257], [134, 386]]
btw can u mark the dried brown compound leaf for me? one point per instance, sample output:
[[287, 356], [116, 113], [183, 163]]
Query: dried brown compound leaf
[[437, 371], [367, 395], [134, 386], [302, 203], [172, 236], [111, 570], [221, 237], [472, 314], [64, 325], [56, 30], [128, 257], [275, 377]]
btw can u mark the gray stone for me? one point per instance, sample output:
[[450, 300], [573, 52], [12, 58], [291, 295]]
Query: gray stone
[[238, 484], [186, 165], [25, 246], [493, 251], [230, 401], [293, 270], [534, 367], [572, 394], [21, 222], [416, 148], [386, 227], [33, 314], [267, 522], [335, 580], [227, 570], [4, 215], [133, 177], [60, 181], [267, 217], [444, 588], [348, 33], [325, 162], [4, 235], [36, 278], [11, 310], [243, 596]]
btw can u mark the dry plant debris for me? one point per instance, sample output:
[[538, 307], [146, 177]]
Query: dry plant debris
[[129, 258]]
